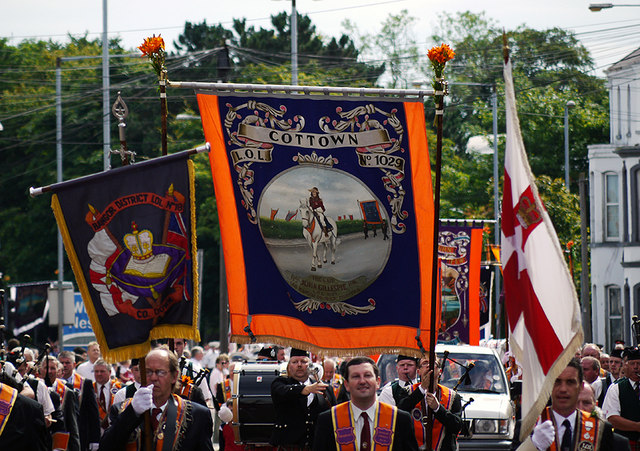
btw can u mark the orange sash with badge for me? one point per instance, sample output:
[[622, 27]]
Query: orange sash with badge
[[419, 412], [60, 388], [159, 434], [8, 397], [589, 430], [115, 386], [384, 426], [227, 389]]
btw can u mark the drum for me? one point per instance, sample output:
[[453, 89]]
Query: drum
[[253, 412]]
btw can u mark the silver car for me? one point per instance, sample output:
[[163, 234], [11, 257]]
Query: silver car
[[488, 411]]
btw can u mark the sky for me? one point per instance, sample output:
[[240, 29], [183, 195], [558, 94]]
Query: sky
[[609, 34]]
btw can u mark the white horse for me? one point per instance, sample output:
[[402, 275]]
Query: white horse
[[314, 235]]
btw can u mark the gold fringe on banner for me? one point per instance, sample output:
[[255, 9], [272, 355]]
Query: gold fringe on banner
[[339, 352]]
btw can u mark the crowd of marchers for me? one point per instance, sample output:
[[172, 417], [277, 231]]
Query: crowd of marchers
[[75, 400]]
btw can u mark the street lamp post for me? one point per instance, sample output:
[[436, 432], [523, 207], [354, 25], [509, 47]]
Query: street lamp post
[[570, 104], [600, 6]]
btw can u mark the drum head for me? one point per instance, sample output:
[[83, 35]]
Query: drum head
[[253, 412]]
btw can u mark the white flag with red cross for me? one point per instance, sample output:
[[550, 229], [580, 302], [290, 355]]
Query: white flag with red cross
[[540, 298]]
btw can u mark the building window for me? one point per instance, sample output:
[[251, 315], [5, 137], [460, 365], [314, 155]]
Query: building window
[[614, 310], [611, 206]]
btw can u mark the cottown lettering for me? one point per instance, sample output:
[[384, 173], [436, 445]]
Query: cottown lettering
[[314, 139], [298, 138]]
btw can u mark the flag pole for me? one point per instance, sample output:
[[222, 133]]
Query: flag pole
[[438, 57]]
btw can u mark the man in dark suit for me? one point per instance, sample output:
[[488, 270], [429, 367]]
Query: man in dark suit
[[174, 420], [21, 422], [562, 425], [297, 401], [364, 419], [445, 404]]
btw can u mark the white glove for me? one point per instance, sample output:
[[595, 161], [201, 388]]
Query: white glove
[[142, 400], [225, 414], [543, 435]]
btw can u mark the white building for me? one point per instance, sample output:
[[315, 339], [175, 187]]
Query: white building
[[614, 176]]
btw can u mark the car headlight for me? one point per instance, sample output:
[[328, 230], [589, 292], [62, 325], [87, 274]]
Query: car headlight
[[485, 427], [488, 426]]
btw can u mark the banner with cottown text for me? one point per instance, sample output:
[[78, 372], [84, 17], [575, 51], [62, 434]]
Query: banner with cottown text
[[348, 268]]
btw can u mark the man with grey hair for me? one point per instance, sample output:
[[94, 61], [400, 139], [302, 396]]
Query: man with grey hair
[[591, 373], [174, 420]]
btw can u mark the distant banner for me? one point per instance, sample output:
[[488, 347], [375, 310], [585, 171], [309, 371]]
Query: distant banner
[[129, 234], [32, 305], [460, 250], [312, 281], [486, 291]]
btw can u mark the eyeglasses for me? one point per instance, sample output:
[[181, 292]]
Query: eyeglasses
[[225, 363], [159, 373]]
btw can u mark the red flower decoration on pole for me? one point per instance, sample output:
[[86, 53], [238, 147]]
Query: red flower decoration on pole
[[153, 48], [439, 56]]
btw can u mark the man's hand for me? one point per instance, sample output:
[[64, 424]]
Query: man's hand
[[316, 387], [543, 435], [142, 400]]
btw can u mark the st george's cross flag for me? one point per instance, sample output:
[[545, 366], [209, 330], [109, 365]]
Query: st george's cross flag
[[130, 237], [540, 298]]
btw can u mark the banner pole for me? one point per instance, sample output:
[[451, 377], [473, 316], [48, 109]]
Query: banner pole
[[438, 57], [56, 186]]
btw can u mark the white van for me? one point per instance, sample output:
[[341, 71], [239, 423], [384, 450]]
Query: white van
[[489, 413]]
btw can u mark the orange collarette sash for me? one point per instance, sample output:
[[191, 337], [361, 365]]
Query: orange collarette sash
[[115, 386], [60, 387], [8, 398], [77, 381], [419, 416], [135, 442], [589, 430], [384, 427], [227, 389]]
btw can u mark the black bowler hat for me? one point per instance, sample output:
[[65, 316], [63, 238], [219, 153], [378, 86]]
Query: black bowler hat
[[295, 352], [632, 354], [267, 352], [407, 357], [616, 353]]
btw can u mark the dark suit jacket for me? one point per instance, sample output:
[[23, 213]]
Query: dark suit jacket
[[450, 419], [25, 429], [404, 438], [295, 421], [66, 416], [198, 428], [88, 415]]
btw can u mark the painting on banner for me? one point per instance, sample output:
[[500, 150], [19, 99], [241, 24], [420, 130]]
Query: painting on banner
[[129, 234], [352, 257], [460, 251]]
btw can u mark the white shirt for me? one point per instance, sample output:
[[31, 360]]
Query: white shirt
[[42, 395], [597, 387], [611, 403], [216, 377], [559, 419], [386, 395], [85, 370], [357, 415]]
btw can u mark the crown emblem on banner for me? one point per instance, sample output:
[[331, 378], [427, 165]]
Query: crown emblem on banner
[[139, 243], [315, 160]]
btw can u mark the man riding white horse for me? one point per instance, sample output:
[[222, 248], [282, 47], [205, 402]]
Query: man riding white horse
[[317, 207]]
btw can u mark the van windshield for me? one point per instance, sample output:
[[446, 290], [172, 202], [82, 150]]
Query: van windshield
[[486, 375]]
